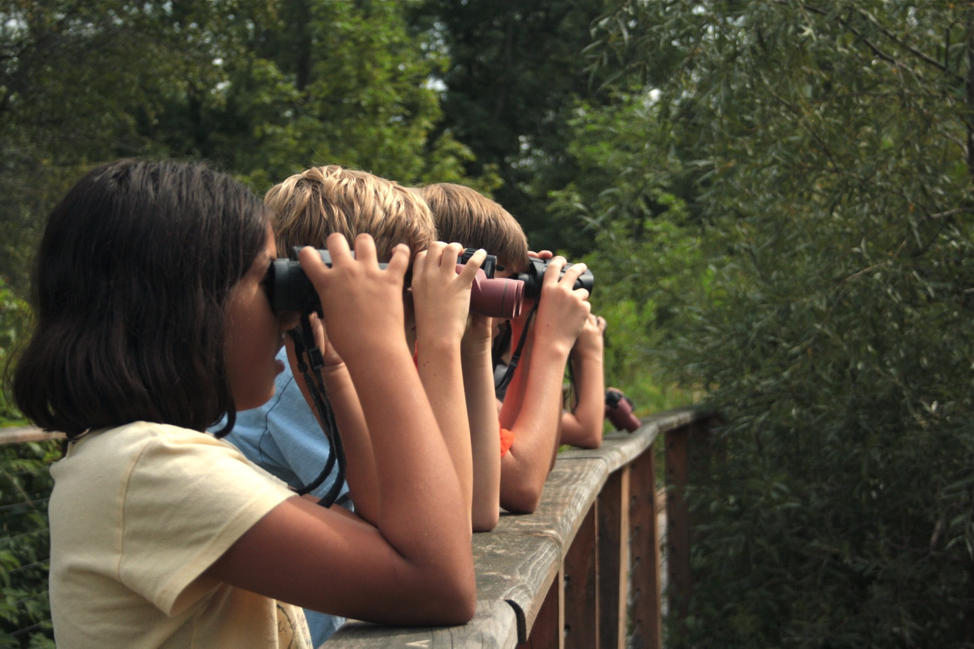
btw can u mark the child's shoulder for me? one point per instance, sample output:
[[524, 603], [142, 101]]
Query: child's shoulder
[[117, 450], [144, 457]]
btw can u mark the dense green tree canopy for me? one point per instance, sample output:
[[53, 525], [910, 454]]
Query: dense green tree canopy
[[515, 69], [262, 89], [814, 161]]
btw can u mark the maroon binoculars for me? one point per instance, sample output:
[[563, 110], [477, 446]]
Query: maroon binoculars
[[618, 410]]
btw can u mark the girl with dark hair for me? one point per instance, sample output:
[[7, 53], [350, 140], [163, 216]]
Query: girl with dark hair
[[152, 322]]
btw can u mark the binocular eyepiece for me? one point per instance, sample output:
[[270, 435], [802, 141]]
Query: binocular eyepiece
[[534, 275], [289, 288]]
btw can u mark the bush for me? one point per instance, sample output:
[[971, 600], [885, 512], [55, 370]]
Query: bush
[[13, 322], [821, 151], [25, 487]]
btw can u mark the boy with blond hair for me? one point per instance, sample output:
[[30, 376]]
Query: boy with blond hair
[[532, 424], [283, 435]]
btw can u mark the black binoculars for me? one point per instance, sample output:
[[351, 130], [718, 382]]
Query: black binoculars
[[289, 288], [534, 275]]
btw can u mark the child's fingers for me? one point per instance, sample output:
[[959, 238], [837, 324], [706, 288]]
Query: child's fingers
[[553, 272], [364, 249], [473, 265], [573, 273], [434, 254], [312, 264], [419, 261], [318, 329], [399, 262], [448, 258]]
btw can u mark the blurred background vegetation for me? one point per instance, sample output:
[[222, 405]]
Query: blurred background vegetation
[[775, 198]]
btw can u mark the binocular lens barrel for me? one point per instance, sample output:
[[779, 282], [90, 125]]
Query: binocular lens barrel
[[495, 298]]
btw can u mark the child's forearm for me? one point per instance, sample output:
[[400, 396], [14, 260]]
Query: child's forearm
[[360, 473], [527, 463], [583, 425], [360, 463], [442, 378], [406, 443], [478, 386]]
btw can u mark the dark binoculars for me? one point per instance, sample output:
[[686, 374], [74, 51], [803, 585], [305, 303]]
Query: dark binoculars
[[618, 410], [289, 288], [489, 266], [534, 275]]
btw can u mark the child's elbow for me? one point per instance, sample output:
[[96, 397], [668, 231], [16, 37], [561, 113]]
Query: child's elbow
[[521, 498], [485, 519], [456, 602], [592, 439]]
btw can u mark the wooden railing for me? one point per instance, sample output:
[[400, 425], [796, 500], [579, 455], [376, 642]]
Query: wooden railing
[[584, 570]]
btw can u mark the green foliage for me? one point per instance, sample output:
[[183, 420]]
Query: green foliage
[[304, 83], [260, 88], [821, 294], [648, 258], [25, 486], [13, 322], [515, 69]]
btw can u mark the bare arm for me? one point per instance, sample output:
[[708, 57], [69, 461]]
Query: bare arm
[[360, 473], [478, 387], [582, 426], [532, 407], [415, 566], [442, 301]]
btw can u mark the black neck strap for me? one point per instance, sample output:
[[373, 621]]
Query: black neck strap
[[516, 356], [307, 352]]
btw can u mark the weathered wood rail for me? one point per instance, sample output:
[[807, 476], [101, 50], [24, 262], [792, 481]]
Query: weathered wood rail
[[584, 570]]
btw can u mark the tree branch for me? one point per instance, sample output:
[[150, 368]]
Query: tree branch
[[889, 58]]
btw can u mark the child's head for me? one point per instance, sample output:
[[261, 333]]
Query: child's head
[[319, 201], [466, 216], [129, 290]]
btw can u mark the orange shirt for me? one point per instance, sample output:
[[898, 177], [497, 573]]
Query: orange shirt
[[507, 439]]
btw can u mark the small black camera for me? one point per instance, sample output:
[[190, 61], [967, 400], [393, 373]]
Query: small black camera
[[289, 288], [534, 276]]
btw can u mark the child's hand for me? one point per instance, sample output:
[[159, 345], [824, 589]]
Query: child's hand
[[442, 296], [590, 340], [328, 352], [562, 309], [478, 333], [362, 304]]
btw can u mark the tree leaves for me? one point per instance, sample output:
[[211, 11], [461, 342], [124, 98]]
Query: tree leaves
[[819, 149]]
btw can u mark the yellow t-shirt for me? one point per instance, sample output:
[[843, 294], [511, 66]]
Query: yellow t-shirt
[[138, 513]]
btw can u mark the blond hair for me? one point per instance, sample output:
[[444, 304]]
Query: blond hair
[[470, 218], [313, 204]]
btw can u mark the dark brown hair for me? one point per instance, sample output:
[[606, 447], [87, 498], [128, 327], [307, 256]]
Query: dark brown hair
[[128, 294]]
